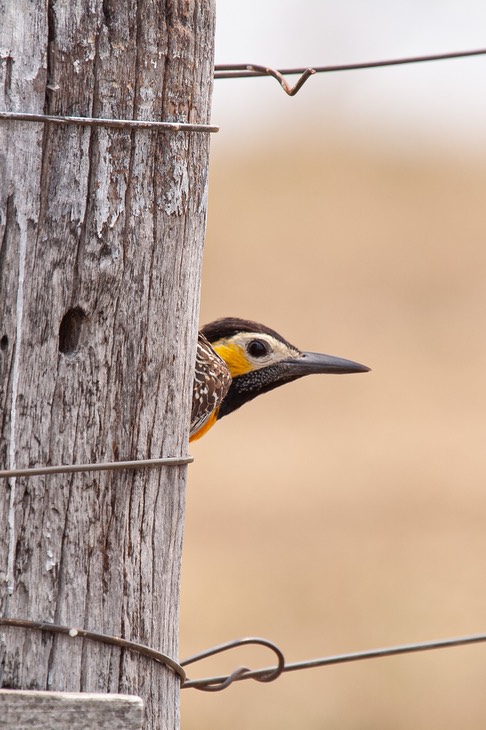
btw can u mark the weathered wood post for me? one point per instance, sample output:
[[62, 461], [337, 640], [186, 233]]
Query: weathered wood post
[[101, 236]]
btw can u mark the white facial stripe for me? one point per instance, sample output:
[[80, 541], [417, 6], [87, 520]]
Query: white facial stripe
[[277, 350]]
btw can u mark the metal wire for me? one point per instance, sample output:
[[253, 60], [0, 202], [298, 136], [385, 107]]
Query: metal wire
[[220, 682], [111, 123], [245, 70], [147, 651], [103, 466], [259, 674]]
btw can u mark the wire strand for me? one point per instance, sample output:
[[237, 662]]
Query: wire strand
[[147, 651], [267, 674], [102, 466], [246, 70], [110, 123], [257, 674]]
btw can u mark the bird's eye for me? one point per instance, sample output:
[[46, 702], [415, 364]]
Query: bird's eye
[[257, 348]]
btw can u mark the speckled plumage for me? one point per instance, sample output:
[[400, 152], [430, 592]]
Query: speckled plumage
[[211, 383]]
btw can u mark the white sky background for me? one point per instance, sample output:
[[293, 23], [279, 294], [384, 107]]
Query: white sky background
[[436, 104]]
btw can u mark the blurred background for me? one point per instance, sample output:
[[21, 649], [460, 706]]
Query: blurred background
[[346, 513]]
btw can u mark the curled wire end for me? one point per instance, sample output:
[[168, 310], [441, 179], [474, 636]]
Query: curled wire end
[[290, 90], [215, 684], [218, 686]]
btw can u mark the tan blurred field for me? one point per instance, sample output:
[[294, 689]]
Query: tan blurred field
[[346, 513]]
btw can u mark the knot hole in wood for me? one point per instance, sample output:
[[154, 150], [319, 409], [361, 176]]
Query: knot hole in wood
[[70, 330]]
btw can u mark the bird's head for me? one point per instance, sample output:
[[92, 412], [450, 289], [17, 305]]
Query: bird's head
[[259, 359]]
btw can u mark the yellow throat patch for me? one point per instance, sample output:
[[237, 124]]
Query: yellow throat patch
[[234, 357]]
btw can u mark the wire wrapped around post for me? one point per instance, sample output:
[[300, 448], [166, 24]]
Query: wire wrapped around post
[[108, 123]]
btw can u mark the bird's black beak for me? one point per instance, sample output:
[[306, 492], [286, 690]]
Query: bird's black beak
[[313, 362]]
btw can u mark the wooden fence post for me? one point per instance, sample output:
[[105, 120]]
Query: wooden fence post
[[101, 236]]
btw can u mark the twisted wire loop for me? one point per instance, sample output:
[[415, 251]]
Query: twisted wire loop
[[216, 684], [109, 123], [246, 70], [102, 466], [134, 646]]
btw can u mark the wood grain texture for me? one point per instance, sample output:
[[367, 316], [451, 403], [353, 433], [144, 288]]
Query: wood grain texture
[[24, 710], [101, 237]]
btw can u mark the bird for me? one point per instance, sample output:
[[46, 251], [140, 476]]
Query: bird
[[238, 360]]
